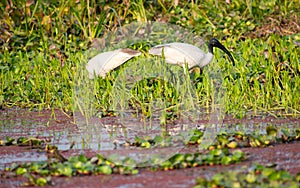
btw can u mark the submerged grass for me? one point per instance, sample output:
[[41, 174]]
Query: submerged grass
[[44, 44]]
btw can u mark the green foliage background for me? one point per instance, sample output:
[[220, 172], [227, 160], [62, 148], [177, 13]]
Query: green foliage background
[[42, 44]]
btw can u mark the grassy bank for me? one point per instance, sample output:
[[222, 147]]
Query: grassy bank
[[43, 44]]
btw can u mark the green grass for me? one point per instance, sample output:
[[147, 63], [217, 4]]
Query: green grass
[[266, 78], [44, 46]]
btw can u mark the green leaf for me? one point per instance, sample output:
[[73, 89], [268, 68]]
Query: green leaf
[[78, 164], [267, 172], [41, 181], [21, 171], [104, 169], [82, 158], [250, 178], [216, 152], [158, 139], [146, 144], [34, 168], [271, 131], [226, 160], [9, 141], [21, 140], [177, 158], [134, 171], [65, 170], [238, 155]]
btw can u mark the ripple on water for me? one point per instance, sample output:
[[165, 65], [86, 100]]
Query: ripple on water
[[101, 137]]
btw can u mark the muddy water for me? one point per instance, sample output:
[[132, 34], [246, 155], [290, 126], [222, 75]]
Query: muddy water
[[17, 123], [108, 136]]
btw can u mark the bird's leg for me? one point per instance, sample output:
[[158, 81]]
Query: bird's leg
[[195, 70]]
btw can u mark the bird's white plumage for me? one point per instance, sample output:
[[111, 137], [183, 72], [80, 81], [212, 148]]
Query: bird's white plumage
[[181, 53], [104, 62]]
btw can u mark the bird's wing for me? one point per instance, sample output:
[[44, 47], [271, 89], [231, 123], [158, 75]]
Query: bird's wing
[[102, 63], [179, 53], [172, 54]]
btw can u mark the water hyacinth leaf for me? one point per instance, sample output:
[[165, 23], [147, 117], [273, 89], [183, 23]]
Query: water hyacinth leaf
[[274, 175], [21, 171], [266, 142], [285, 175], [166, 165], [34, 168], [139, 140], [43, 164], [73, 159], [267, 172], [9, 141], [134, 171], [158, 139], [216, 152], [271, 131], [226, 160], [126, 170], [177, 158], [101, 159], [21, 140], [198, 133], [145, 144], [77, 164], [37, 181], [232, 145], [82, 158], [189, 157], [238, 155], [86, 168], [104, 169], [129, 162], [41, 181], [217, 178], [298, 177], [116, 160], [35, 142], [44, 172], [64, 170], [196, 138], [222, 140], [239, 135], [250, 178], [201, 181]]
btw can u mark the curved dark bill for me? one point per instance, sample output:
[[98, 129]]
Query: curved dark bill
[[215, 43]]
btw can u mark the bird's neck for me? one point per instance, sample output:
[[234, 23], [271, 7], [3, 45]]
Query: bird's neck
[[206, 60], [210, 48]]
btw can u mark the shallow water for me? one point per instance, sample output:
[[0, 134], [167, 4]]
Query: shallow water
[[105, 135]]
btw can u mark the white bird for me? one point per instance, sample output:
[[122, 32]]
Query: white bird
[[182, 53], [104, 62]]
